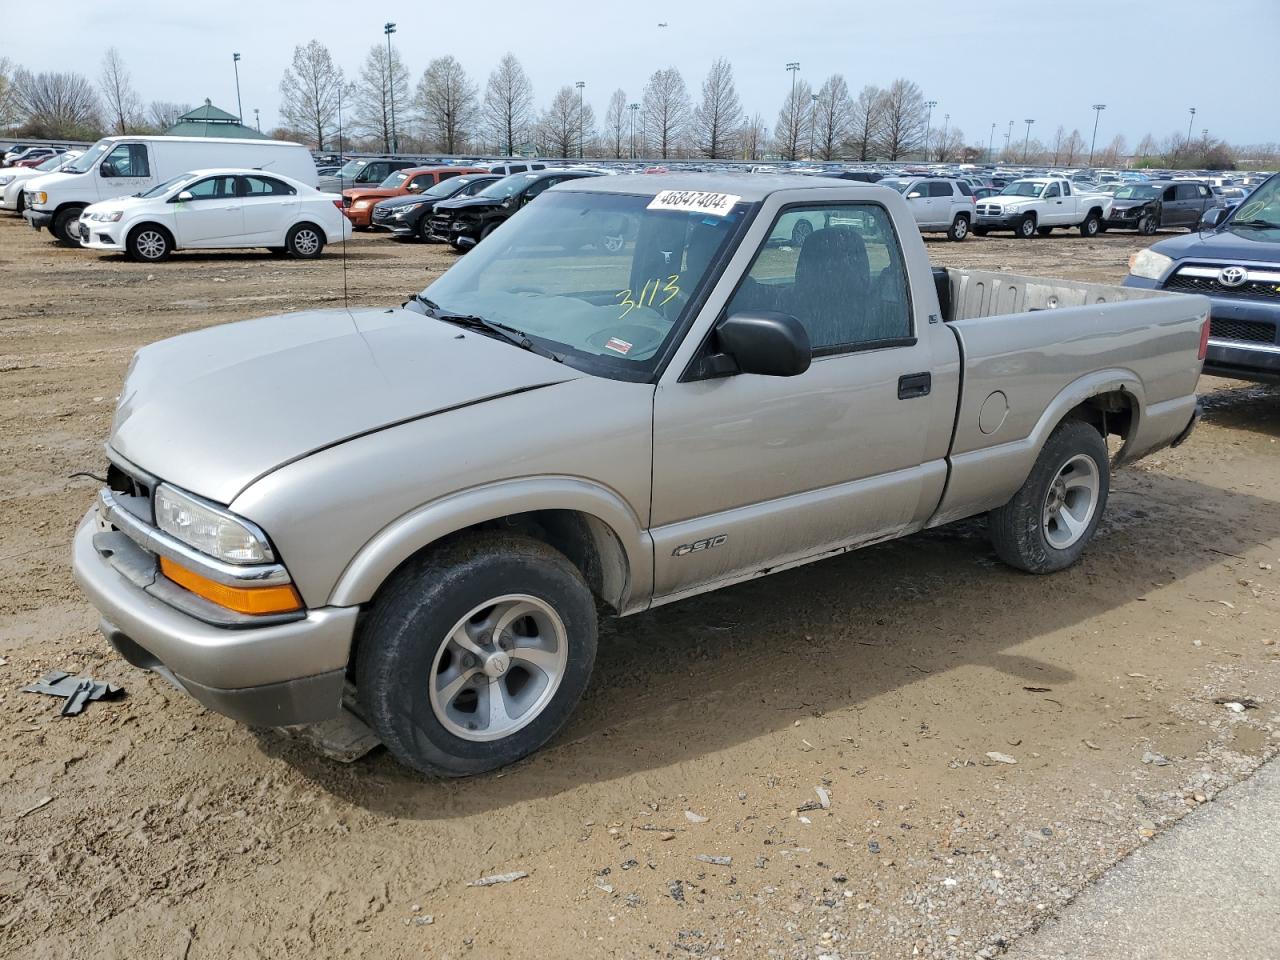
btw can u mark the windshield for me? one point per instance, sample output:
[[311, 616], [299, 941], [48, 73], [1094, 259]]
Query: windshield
[[899, 185], [447, 188], [1022, 188], [1263, 205], [351, 168], [598, 278], [53, 163], [508, 186], [394, 180], [89, 157], [160, 189], [1138, 193]]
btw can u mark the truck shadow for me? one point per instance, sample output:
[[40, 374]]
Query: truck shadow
[[694, 678], [1235, 405]]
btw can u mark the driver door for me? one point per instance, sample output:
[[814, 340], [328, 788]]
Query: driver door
[[213, 216], [126, 170], [753, 472]]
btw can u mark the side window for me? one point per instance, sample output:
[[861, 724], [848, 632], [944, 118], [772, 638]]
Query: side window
[[1066, 189], [1170, 194], [965, 188], [1203, 191], [420, 183], [127, 160], [1052, 191], [474, 187], [213, 188], [1188, 191], [447, 175], [538, 186], [265, 187], [517, 168], [917, 190], [844, 281], [373, 173]]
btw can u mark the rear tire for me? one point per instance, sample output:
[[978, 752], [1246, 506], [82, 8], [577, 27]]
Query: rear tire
[[959, 228], [1055, 513], [1091, 226], [1026, 228], [304, 241], [450, 708], [149, 243]]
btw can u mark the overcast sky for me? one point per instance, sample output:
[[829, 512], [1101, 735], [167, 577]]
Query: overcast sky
[[985, 61]]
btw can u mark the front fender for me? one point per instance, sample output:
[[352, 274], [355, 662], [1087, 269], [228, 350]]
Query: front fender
[[419, 528]]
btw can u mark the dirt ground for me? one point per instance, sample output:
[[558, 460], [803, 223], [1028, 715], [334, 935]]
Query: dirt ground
[[886, 677]]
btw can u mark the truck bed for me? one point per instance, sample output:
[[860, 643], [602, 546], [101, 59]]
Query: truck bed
[[1034, 348]]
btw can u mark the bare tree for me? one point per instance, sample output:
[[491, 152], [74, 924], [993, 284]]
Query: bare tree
[[1115, 152], [903, 119], [507, 111], [754, 137], [1146, 146], [666, 111], [559, 125], [121, 101], [1072, 147], [56, 105], [381, 93], [615, 124], [949, 144], [8, 104], [446, 103], [309, 92], [793, 121], [161, 114], [833, 113], [717, 117], [866, 116]]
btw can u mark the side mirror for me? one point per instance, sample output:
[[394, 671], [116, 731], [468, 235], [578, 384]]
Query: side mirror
[[106, 169], [413, 188], [184, 196], [761, 342], [1213, 217], [914, 195]]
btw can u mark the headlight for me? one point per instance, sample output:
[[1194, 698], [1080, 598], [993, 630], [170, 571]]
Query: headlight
[[39, 197], [6, 180], [210, 529], [1149, 264], [110, 217], [406, 208]]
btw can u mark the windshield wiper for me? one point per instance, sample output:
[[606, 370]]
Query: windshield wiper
[[491, 327], [1256, 222]]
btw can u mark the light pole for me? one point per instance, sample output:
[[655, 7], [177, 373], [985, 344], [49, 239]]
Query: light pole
[[942, 144], [257, 120], [793, 68], [1192, 110], [390, 28], [928, 122], [813, 116], [580, 84], [1097, 112], [633, 108], [1026, 140], [793, 134], [1008, 140], [990, 142], [235, 63]]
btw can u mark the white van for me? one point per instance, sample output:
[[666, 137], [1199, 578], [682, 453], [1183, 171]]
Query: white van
[[125, 166]]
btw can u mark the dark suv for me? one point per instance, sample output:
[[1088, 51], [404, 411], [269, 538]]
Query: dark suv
[[465, 222], [1147, 207], [409, 216], [364, 172]]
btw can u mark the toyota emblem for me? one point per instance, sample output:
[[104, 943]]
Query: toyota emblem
[[1232, 276]]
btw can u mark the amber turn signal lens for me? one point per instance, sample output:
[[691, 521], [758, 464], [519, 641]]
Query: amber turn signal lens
[[252, 600]]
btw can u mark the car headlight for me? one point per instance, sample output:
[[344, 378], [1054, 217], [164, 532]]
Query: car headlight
[[210, 529], [112, 216], [407, 207], [1149, 264], [6, 180], [40, 197]]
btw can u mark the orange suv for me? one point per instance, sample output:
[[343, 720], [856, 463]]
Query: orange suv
[[358, 202]]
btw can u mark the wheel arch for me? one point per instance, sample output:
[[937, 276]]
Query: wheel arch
[[306, 222], [590, 524]]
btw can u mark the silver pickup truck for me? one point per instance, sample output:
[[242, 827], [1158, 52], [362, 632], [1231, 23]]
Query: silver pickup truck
[[418, 512]]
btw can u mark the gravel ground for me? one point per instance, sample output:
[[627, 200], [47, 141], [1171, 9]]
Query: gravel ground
[[886, 677]]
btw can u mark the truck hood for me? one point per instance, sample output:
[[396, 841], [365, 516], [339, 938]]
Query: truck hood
[[214, 410], [468, 203], [1226, 243]]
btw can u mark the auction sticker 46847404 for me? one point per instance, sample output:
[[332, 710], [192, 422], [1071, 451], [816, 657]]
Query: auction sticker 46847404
[[694, 201]]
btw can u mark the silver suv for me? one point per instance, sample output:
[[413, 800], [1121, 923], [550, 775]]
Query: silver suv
[[937, 203]]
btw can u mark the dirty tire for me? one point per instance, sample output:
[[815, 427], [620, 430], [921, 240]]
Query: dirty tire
[[1147, 225], [410, 622], [959, 228], [489, 228], [1091, 226], [66, 227], [1017, 529], [1026, 228]]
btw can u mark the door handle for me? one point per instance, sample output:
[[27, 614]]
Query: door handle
[[912, 385]]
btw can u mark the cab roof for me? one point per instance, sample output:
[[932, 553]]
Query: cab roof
[[751, 187]]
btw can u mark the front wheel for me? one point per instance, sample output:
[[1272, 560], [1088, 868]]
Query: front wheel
[[1026, 228], [149, 244], [1147, 225], [475, 654], [304, 241], [959, 228], [1056, 511], [66, 226]]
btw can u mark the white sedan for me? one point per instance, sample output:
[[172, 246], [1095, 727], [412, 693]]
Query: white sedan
[[217, 209], [12, 179]]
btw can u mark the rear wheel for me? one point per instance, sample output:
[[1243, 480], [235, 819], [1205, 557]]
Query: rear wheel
[[1091, 226], [149, 243], [1055, 513], [1026, 228], [66, 226], [959, 228], [475, 654], [304, 241]]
